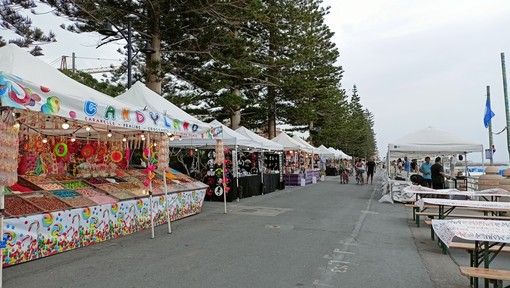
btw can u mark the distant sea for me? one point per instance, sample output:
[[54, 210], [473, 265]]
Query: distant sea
[[480, 168]]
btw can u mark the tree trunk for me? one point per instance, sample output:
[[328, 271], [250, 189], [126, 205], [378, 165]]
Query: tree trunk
[[154, 67], [310, 129], [271, 92], [271, 120], [153, 80], [235, 118]]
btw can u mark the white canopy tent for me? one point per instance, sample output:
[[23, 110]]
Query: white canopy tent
[[265, 143], [324, 152], [230, 139], [305, 144], [32, 84], [141, 96], [343, 155], [336, 152], [289, 143], [431, 141]]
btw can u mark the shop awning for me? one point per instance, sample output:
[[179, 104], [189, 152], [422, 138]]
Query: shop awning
[[30, 84], [266, 143]]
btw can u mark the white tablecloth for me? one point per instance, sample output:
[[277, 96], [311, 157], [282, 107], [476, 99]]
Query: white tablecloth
[[464, 203], [494, 192], [472, 229]]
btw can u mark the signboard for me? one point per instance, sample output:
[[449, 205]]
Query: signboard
[[94, 109], [488, 154]]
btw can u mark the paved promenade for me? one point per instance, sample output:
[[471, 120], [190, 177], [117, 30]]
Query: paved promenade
[[322, 235]]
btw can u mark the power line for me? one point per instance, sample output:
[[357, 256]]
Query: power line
[[93, 58], [99, 70], [55, 61]]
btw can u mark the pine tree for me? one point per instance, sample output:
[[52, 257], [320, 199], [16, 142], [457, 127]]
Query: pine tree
[[29, 36]]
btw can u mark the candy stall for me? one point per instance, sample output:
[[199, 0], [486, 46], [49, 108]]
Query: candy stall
[[67, 163]]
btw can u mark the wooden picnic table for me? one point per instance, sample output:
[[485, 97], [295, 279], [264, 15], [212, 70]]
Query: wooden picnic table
[[492, 194], [485, 206], [485, 234]]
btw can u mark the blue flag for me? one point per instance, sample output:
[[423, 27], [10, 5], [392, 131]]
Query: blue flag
[[488, 113]]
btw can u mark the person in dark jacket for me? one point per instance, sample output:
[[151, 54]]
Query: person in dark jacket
[[437, 174]]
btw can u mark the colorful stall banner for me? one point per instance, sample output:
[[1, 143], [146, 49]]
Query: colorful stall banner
[[94, 109], [36, 236]]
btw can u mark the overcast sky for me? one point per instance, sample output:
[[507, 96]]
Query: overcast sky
[[425, 63], [415, 63]]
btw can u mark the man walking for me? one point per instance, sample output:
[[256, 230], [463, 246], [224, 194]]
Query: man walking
[[370, 170]]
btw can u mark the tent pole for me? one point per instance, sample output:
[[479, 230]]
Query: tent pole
[[149, 161], [223, 180], [2, 199], [261, 170], [198, 163], [235, 165], [167, 207], [465, 165], [483, 160]]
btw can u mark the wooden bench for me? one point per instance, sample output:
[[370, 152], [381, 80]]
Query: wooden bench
[[496, 275], [416, 208], [470, 247], [432, 215]]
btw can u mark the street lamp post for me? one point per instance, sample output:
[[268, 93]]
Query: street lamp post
[[108, 31]]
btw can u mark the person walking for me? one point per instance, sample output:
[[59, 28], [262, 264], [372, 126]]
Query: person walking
[[360, 169], [370, 170]]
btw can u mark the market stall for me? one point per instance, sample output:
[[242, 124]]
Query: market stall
[[65, 163], [298, 160], [432, 142], [242, 181], [272, 157], [332, 165]]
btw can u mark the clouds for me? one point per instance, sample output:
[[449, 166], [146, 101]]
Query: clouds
[[424, 63]]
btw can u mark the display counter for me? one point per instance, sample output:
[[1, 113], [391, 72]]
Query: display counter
[[331, 171], [249, 186], [294, 179], [271, 182], [73, 213]]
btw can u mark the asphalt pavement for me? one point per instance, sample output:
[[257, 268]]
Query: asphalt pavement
[[322, 235]]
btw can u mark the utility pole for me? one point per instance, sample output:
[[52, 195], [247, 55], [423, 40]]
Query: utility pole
[[505, 93], [73, 62], [490, 128], [63, 63]]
